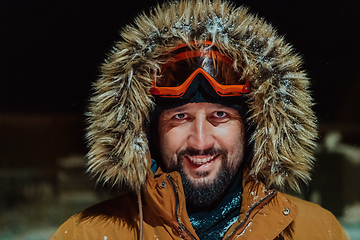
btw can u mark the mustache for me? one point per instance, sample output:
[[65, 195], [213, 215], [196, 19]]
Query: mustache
[[202, 152]]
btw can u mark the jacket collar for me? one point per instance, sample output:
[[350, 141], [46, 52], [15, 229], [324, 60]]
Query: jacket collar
[[164, 195], [264, 213]]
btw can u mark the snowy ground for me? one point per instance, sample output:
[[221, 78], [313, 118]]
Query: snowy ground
[[353, 230]]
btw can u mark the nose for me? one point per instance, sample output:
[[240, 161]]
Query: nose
[[201, 136]]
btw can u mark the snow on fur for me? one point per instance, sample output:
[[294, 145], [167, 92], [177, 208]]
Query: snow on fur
[[279, 102]]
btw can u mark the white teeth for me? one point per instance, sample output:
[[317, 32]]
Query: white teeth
[[201, 160]]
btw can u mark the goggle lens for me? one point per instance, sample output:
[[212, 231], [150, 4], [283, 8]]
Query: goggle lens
[[178, 73]]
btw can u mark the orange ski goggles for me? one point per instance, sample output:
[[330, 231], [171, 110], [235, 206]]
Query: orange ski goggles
[[186, 63]]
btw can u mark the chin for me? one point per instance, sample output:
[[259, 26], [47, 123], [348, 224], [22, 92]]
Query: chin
[[202, 178]]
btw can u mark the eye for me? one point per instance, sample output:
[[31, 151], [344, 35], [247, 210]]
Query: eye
[[180, 116], [219, 117], [220, 114]]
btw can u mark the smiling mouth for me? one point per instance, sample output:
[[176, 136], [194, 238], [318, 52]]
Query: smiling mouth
[[201, 160]]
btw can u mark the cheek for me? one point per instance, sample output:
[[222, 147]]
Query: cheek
[[232, 139], [170, 143], [231, 134]]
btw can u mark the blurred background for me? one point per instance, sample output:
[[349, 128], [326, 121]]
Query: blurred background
[[50, 53]]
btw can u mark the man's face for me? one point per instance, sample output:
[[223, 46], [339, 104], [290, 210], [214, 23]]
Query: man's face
[[205, 143]]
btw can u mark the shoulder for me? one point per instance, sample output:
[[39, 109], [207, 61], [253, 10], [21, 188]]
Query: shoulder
[[312, 219], [309, 210], [99, 220], [305, 207], [118, 208]]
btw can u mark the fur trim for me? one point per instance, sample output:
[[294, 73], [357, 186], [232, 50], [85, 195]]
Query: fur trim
[[279, 102]]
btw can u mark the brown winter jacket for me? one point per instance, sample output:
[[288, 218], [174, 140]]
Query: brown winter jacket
[[265, 214]]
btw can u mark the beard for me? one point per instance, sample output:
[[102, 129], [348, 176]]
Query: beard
[[205, 192]]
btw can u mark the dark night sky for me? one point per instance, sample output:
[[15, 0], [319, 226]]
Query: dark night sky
[[50, 51]]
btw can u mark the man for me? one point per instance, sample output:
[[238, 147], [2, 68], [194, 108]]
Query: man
[[203, 114]]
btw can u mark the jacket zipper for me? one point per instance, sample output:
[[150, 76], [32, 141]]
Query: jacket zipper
[[181, 226], [249, 212]]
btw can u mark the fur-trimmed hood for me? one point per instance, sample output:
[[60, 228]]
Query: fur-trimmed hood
[[279, 101]]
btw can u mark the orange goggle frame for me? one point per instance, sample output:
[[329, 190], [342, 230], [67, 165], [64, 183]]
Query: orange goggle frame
[[178, 74]]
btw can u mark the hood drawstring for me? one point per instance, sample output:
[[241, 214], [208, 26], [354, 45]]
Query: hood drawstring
[[141, 217]]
